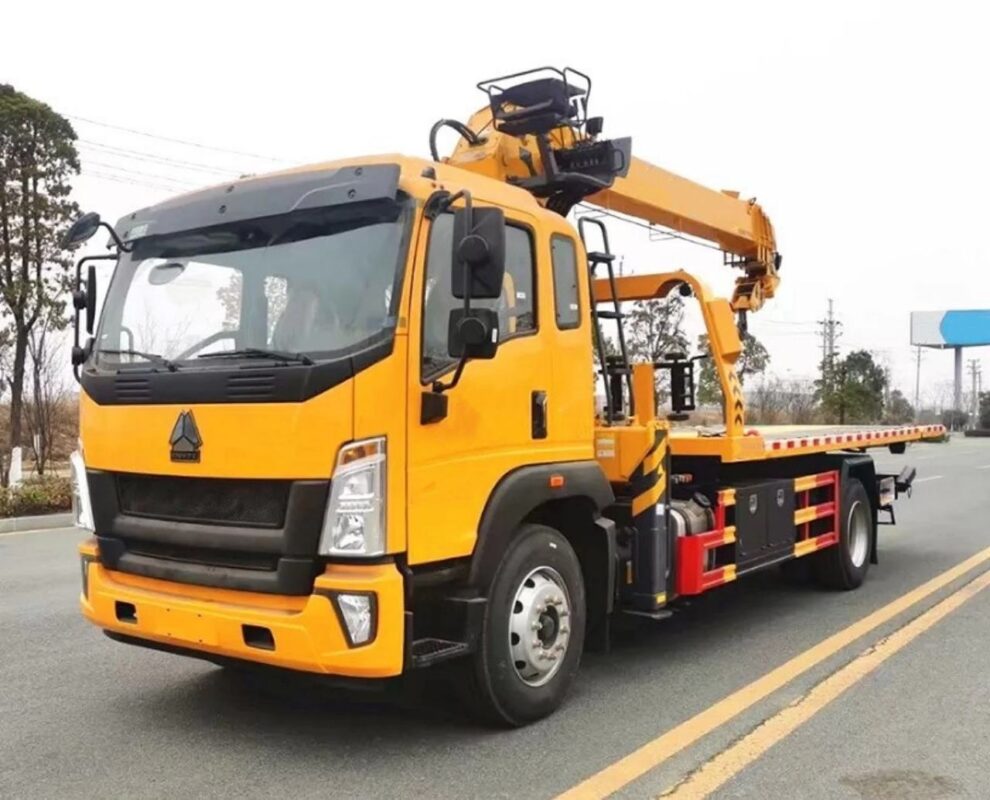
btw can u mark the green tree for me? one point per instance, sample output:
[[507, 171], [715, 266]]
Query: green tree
[[985, 410], [654, 328], [753, 360], [38, 158], [854, 391], [898, 410]]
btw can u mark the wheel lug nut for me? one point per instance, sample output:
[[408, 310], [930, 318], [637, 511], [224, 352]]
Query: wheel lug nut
[[537, 643], [565, 630], [535, 625], [564, 613]]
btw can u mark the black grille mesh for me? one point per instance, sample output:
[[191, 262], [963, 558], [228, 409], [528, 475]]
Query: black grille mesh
[[217, 501]]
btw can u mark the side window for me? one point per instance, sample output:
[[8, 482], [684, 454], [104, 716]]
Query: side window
[[516, 307], [565, 282]]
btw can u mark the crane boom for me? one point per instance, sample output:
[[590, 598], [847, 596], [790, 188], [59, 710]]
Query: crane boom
[[739, 227], [536, 135]]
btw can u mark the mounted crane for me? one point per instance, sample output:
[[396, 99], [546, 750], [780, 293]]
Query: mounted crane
[[339, 419]]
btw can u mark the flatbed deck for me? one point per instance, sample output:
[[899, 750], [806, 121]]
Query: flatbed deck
[[778, 441]]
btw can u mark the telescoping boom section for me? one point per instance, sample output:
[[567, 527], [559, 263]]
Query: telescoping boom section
[[739, 227]]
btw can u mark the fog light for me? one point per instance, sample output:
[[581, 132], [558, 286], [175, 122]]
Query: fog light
[[357, 613]]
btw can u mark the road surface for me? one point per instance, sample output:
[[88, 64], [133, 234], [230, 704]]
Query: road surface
[[767, 688]]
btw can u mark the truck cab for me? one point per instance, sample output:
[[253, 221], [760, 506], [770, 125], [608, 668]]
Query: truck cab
[[262, 474]]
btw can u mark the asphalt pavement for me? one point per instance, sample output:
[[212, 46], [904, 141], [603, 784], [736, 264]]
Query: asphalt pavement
[[81, 716]]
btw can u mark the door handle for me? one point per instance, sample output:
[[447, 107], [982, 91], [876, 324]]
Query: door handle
[[538, 406]]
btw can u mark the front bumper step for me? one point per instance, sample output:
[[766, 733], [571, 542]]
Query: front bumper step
[[426, 652]]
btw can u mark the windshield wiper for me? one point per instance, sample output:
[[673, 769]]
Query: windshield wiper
[[154, 358], [258, 352]]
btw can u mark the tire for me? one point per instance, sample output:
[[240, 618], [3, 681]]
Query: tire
[[844, 565], [511, 681]]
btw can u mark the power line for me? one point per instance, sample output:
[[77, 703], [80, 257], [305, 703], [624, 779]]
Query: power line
[[185, 142], [142, 155], [103, 176], [138, 173], [788, 322], [666, 234]]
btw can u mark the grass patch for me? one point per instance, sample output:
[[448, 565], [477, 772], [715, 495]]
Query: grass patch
[[36, 496]]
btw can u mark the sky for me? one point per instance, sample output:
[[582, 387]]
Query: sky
[[862, 128]]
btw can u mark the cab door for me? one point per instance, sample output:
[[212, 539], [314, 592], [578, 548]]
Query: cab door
[[497, 415]]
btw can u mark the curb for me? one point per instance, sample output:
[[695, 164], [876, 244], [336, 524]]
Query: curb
[[43, 522]]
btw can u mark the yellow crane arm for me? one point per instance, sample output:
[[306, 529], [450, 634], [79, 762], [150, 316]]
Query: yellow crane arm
[[737, 226]]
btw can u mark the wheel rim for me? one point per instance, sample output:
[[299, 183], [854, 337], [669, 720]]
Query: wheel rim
[[858, 533], [539, 626]]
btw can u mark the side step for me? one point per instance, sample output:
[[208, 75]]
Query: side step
[[429, 651]]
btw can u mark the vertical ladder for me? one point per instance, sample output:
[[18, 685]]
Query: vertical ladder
[[615, 370]]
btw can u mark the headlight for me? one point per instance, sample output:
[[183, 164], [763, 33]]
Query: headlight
[[354, 524], [82, 508]]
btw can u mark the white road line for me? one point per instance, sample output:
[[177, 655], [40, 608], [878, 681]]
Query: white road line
[[929, 478], [985, 466], [43, 530]]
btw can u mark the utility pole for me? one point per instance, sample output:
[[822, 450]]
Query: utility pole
[[917, 387], [979, 394], [830, 334], [974, 366], [957, 379]]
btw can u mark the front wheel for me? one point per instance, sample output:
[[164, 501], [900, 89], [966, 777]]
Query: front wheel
[[533, 631], [844, 565]]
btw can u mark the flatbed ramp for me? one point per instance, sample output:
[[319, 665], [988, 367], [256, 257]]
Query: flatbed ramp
[[774, 441]]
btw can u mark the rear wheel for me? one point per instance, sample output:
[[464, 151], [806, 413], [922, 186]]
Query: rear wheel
[[844, 565], [533, 630]]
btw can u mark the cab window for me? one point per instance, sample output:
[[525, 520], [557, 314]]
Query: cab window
[[516, 307], [566, 301]]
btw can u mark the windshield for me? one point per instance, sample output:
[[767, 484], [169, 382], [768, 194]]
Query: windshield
[[319, 282]]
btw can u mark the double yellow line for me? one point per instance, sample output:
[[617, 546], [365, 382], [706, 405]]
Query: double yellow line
[[716, 772]]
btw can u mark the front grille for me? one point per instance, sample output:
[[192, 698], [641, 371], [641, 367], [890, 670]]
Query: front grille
[[199, 555], [217, 501]]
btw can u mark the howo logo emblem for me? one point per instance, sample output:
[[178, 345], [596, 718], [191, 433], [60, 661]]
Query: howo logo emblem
[[185, 439]]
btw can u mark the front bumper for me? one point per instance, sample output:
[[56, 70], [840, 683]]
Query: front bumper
[[306, 632]]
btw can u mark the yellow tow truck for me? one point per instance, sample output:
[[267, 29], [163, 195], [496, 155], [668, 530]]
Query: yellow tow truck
[[341, 419]]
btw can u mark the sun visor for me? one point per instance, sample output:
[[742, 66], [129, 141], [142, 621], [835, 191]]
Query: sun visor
[[263, 197]]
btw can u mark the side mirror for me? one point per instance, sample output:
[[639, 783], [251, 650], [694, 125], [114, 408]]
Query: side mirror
[[479, 253], [472, 333], [82, 229], [79, 355], [90, 298]]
